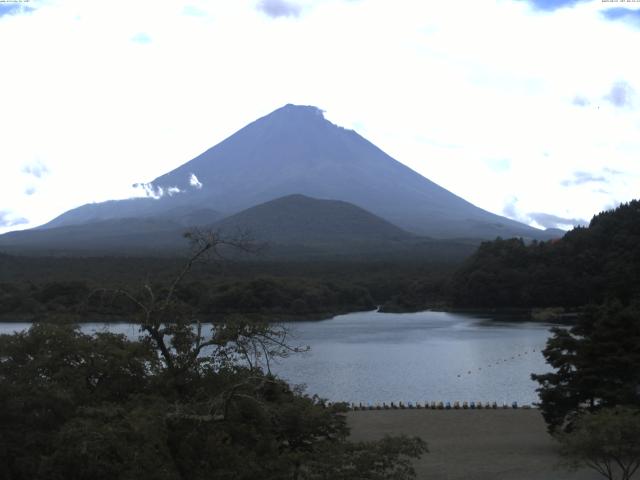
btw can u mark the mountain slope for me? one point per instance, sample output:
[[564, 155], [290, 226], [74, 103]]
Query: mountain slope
[[121, 235], [292, 227], [297, 219], [296, 150]]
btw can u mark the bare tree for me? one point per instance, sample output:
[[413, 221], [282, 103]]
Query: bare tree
[[177, 334]]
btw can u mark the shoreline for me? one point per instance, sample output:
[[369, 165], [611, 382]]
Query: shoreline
[[535, 315], [105, 318]]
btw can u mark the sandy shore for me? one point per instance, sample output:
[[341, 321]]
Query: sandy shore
[[473, 444]]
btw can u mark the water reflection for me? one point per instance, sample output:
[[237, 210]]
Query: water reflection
[[375, 357], [383, 357]]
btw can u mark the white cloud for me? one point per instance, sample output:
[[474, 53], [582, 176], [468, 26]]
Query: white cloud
[[194, 182], [454, 94], [10, 219]]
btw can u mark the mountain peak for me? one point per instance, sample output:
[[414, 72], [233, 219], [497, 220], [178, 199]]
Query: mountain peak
[[297, 113], [301, 109], [294, 149]]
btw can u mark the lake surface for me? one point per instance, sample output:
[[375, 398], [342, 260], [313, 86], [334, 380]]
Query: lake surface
[[372, 357]]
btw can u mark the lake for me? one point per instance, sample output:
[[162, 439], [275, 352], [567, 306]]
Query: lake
[[372, 357]]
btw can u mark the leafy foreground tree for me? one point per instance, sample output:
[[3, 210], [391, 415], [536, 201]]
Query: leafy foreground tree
[[607, 441], [176, 404], [596, 364]]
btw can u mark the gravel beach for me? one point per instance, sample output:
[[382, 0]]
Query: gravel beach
[[472, 444]]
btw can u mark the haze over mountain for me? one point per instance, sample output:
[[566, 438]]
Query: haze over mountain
[[291, 227], [292, 151], [296, 150], [113, 235]]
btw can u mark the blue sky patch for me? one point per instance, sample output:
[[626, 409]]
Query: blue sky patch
[[13, 9], [551, 5], [623, 14], [580, 101], [193, 11], [9, 9], [499, 164], [279, 8], [620, 95], [141, 37]]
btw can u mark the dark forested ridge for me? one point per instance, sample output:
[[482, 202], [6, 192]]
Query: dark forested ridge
[[587, 265], [32, 287]]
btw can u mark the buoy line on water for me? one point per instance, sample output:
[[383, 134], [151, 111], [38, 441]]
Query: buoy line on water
[[499, 362], [440, 405]]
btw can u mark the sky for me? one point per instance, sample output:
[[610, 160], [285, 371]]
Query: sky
[[526, 108]]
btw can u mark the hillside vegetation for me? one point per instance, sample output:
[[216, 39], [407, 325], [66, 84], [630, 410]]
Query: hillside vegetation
[[31, 287], [588, 265]]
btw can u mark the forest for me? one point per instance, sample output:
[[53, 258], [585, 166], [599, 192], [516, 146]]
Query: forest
[[31, 287], [588, 265]]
